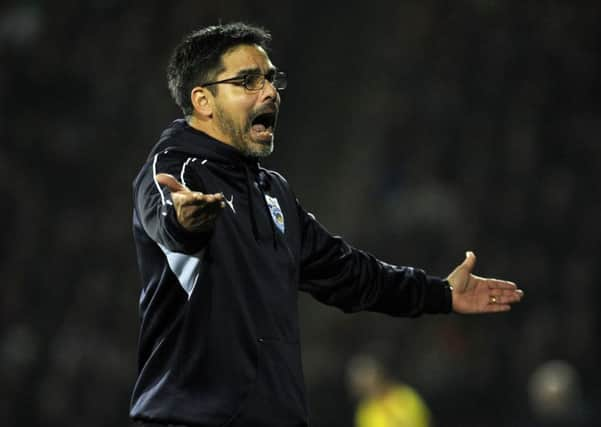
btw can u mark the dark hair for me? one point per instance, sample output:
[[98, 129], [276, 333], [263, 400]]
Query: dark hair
[[197, 59]]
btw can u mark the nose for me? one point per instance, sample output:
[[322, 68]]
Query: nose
[[269, 91]]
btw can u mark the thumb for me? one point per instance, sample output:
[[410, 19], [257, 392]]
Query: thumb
[[170, 182], [459, 278], [470, 261]]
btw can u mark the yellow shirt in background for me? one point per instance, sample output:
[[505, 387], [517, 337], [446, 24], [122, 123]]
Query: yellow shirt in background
[[399, 407]]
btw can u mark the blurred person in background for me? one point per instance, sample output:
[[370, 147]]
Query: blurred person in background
[[224, 245], [555, 395], [383, 402]]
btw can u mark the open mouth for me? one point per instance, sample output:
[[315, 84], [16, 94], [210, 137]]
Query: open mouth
[[263, 125]]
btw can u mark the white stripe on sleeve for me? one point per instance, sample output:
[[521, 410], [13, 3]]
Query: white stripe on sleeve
[[181, 175], [154, 177]]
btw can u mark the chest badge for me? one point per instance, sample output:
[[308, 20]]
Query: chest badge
[[276, 212]]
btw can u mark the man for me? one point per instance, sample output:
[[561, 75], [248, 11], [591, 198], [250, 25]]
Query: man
[[223, 246], [383, 402]]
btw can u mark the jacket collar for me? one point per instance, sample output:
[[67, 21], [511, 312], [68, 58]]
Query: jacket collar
[[180, 136]]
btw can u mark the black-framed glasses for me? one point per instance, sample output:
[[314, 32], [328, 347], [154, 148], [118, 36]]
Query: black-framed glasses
[[256, 81]]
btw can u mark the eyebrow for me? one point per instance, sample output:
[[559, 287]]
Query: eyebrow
[[254, 70]]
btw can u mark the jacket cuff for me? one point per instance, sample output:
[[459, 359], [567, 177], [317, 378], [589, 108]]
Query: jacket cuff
[[438, 298]]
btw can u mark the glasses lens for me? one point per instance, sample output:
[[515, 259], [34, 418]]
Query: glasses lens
[[254, 81], [280, 80]]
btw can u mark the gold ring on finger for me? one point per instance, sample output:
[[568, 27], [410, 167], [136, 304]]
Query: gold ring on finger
[[492, 299]]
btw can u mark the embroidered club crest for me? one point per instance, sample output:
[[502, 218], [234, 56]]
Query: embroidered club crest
[[276, 212]]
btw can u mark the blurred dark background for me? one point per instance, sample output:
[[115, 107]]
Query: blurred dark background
[[416, 129]]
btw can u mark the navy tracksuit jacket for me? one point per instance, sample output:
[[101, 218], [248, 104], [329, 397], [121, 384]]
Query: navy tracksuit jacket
[[219, 334]]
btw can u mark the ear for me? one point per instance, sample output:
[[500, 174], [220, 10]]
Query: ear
[[202, 101]]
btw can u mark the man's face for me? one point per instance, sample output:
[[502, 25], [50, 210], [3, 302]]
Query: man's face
[[246, 118]]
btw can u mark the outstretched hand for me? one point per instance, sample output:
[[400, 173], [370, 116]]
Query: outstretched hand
[[473, 294], [195, 211]]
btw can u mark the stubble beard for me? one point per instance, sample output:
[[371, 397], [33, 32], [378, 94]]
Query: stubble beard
[[240, 137]]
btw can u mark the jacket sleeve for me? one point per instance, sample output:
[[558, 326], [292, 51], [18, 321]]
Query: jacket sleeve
[[337, 274], [154, 208]]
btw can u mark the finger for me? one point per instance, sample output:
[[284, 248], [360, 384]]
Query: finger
[[495, 283], [200, 199], [170, 182], [500, 284], [207, 197], [186, 199], [497, 308], [211, 198], [213, 208], [199, 212], [470, 261], [200, 209], [203, 222], [506, 292], [505, 299]]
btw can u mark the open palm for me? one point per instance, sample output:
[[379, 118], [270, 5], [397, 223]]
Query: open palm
[[473, 294]]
